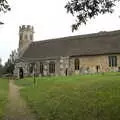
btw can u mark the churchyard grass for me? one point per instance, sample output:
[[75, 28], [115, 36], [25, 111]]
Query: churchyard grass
[[3, 96], [84, 97]]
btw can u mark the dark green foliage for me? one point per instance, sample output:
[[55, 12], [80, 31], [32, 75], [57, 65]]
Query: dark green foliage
[[9, 67], [1, 70], [4, 6], [83, 10], [10, 64]]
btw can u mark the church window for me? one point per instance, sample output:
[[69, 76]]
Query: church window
[[41, 68], [76, 63], [51, 67], [112, 61]]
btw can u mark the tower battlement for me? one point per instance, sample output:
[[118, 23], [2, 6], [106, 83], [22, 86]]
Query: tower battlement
[[26, 28], [25, 37]]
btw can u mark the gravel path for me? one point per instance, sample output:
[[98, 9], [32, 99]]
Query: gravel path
[[17, 108]]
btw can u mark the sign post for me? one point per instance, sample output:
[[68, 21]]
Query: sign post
[[34, 75]]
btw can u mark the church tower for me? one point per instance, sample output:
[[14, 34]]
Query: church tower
[[25, 38]]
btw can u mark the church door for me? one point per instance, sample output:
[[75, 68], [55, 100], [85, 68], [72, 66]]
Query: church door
[[21, 74]]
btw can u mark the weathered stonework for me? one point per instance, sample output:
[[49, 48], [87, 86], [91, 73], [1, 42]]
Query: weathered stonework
[[65, 66], [88, 64], [91, 60], [25, 38]]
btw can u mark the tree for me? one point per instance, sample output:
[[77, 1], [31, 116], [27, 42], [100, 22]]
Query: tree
[[4, 7], [1, 69], [83, 10], [10, 64], [9, 67]]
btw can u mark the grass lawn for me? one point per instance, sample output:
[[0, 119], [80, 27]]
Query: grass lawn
[[86, 97], [3, 96]]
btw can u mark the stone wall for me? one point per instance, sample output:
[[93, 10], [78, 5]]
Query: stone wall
[[88, 64], [65, 66], [22, 65]]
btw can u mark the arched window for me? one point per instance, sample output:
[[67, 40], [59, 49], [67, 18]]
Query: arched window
[[41, 68], [51, 67], [76, 64]]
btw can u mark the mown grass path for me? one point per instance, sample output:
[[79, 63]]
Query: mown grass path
[[17, 108]]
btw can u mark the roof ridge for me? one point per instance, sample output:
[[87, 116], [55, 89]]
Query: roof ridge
[[98, 34], [91, 44]]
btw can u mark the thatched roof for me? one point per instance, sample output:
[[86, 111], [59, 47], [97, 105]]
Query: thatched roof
[[83, 45]]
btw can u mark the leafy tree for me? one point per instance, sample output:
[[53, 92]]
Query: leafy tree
[[9, 67], [1, 69], [83, 10], [10, 64], [4, 7]]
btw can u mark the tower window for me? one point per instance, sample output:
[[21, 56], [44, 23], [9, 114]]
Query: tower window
[[76, 64], [51, 67], [112, 61]]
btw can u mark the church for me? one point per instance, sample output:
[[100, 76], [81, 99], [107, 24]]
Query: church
[[82, 54]]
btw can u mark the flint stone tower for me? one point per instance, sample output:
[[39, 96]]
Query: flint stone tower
[[25, 38]]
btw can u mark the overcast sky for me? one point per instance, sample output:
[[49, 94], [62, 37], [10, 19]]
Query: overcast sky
[[49, 19]]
